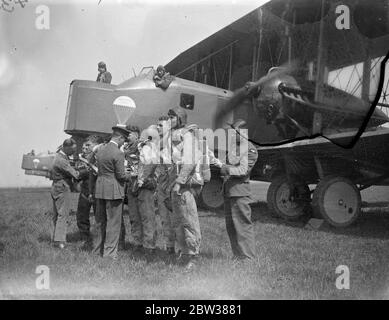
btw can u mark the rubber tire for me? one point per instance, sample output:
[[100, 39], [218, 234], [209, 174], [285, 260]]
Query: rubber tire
[[318, 200], [204, 200], [272, 204]]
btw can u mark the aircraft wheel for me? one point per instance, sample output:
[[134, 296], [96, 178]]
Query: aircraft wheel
[[337, 200], [211, 197], [286, 205]]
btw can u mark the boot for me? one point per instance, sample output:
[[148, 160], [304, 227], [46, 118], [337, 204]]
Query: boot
[[149, 254]]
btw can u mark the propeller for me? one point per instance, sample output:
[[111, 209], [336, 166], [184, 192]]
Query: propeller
[[250, 88]]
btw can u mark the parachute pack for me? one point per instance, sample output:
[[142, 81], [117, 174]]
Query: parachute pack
[[202, 171]]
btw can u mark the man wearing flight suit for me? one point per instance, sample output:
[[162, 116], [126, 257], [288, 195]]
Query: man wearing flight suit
[[143, 226], [109, 193], [62, 174], [242, 156], [185, 157], [162, 172]]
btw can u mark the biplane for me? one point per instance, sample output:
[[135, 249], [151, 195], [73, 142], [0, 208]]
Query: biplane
[[314, 97]]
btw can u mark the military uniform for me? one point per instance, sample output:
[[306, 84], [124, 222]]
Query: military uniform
[[62, 174], [237, 192], [109, 194]]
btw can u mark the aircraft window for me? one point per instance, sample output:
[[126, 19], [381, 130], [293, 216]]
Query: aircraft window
[[187, 101]]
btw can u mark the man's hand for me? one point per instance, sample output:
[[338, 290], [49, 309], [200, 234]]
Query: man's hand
[[90, 198], [140, 183], [176, 188]]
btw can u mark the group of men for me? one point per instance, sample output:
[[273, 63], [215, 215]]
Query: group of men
[[163, 168]]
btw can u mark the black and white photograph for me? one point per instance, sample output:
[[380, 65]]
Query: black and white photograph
[[207, 151]]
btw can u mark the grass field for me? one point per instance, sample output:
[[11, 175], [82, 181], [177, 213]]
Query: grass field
[[293, 262]]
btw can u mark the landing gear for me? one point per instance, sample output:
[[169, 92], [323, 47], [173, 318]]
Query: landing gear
[[337, 200], [289, 202], [211, 197]]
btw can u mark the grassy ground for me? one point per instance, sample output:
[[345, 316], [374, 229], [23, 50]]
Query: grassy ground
[[293, 262]]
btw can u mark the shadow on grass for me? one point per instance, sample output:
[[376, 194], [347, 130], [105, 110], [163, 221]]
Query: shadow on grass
[[373, 223], [44, 237]]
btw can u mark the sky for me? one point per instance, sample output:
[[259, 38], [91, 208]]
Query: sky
[[37, 66]]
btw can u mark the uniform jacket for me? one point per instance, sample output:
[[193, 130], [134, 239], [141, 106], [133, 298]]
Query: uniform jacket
[[105, 77], [62, 174], [239, 168], [111, 175]]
